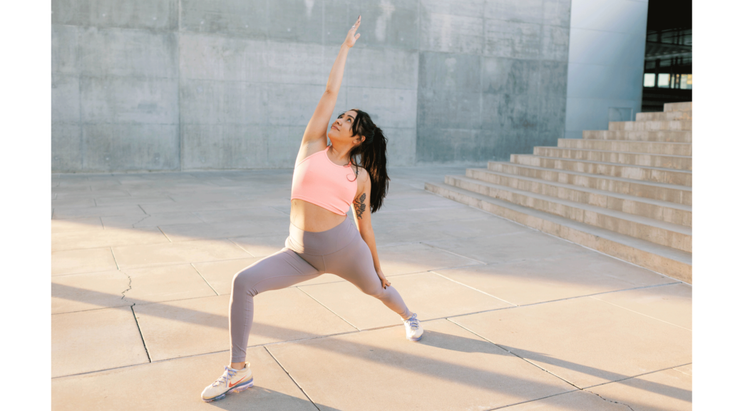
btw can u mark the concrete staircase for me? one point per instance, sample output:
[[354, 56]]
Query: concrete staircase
[[625, 191]]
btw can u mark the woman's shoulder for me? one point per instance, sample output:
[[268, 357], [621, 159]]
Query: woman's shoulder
[[363, 177], [306, 151]]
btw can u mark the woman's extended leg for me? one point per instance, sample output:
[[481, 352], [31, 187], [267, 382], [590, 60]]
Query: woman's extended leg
[[276, 271], [354, 263]]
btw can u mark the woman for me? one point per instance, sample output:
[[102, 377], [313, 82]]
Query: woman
[[327, 180]]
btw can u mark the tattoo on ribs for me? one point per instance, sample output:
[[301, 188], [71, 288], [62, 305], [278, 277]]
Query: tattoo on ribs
[[360, 206]]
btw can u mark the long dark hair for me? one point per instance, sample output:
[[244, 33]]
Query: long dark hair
[[372, 157]]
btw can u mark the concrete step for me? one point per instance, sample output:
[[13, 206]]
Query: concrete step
[[654, 209], [600, 176], [664, 260], [659, 232], [650, 147], [685, 125], [623, 135], [684, 106], [664, 116], [618, 157]]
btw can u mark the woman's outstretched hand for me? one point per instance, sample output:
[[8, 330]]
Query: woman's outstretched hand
[[351, 36], [383, 280]]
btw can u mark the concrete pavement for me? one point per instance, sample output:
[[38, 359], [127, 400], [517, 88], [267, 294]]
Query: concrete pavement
[[515, 319]]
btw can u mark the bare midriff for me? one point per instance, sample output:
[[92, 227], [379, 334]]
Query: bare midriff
[[313, 218]]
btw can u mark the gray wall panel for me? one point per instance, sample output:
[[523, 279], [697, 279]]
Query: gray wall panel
[[129, 100], [386, 107], [311, 67], [64, 49], [470, 8], [130, 147], [512, 39], [451, 33], [67, 151], [401, 146], [65, 99], [127, 52], [556, 12], [213, 57], [525, 11], [282, 146], [295, 21], [222, 102], [555, 43], [393, 23], [237, 18], [224, 146], [387, 68], [149, 14], [449, 109], [292, 104], [448, 71], [509, 76]]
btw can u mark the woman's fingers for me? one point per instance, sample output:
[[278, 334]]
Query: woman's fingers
[[351, 36]]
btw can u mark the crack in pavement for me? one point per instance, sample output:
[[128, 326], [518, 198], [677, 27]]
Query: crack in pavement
[[129, 285], [146, 216], [607, 400], [143, 218]]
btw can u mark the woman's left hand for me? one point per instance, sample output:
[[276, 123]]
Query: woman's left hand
[[383, 280], [351, 36]]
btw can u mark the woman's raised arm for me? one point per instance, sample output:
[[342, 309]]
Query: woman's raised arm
[[316, 131]]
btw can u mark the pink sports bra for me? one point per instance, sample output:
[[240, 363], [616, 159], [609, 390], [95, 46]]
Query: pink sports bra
[[319, 181]]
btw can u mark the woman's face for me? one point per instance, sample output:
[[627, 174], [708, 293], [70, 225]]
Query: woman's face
[[342, 127]]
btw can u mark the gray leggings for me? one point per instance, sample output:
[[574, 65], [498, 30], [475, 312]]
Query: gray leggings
[[340, 251]]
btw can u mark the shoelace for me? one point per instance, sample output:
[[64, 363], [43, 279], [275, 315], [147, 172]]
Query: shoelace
[[413, 322], [227, 374]]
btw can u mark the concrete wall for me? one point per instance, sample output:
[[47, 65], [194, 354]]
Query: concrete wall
[[606, 63], [229, 84], [492, 78]]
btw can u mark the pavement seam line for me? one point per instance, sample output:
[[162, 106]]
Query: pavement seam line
[[143, 218], [559, 299], [291, 377], [642, 314], [144, 344], [163, 233], [115, 258], [450, 252], [586, 389], [329, 309], [472, 288], [673, 367], [204, 279], [514, 354], [533, 400], [241, 247]]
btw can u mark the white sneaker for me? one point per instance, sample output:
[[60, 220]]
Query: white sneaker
[[231, 380], [414, 332]]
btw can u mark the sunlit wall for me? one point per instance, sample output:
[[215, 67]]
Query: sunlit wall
[[605, 63]]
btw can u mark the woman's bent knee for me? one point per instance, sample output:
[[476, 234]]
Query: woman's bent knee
[[376, 291], [244, 282]]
